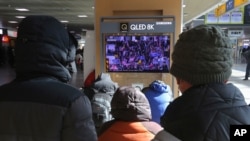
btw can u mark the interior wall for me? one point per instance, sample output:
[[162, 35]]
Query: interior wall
[[109, 8], [89, 57]]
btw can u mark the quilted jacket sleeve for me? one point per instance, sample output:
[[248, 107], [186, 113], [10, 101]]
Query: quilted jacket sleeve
[[78, 124]]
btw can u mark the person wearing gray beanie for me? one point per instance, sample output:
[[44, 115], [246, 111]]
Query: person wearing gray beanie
[[203, 55], [202, 64]]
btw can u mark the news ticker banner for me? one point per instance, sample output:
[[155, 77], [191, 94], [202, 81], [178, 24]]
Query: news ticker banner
[[235, 16], [228, 6], [239, 132]]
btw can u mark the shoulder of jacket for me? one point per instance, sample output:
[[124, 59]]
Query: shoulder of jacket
[[151, 126], [165, 136]]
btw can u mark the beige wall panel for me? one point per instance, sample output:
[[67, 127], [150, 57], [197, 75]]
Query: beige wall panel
[[137, 12]]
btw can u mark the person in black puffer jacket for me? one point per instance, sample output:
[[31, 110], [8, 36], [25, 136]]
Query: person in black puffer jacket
[[39, 105], [202, 64]]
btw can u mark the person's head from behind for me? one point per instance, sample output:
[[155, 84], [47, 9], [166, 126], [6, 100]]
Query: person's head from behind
[[202, 55], [158, 85], [43, 47], [104, 83], [130, 104]]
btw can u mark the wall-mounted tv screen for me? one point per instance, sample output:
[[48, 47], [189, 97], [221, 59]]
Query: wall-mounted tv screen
[[137, 53]]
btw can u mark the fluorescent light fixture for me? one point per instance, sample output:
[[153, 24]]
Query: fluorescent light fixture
[[63, 21], [22, 9], [12, 22], [20, 17], [82, 16]]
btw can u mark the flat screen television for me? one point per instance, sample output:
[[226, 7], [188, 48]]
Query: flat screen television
[[137, 53]]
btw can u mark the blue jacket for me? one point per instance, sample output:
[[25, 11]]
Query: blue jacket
[[159, 96]]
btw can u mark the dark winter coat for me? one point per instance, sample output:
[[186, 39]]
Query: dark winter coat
[[39, 105], [205, 113], [132, 118], [246, 54]]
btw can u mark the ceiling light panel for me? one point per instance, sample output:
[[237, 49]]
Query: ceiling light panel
[[22, 9]]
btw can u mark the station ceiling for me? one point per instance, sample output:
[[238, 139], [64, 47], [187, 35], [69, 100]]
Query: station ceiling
[[80, 13]]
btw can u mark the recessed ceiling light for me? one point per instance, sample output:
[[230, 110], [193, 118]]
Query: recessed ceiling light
[[12, 22], [184, 5], [93, 7], [20, 17], [82, 16], [64, 21], [22, 9]]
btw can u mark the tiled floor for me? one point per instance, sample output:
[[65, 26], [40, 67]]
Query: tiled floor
[[7, 74], [237, 79]]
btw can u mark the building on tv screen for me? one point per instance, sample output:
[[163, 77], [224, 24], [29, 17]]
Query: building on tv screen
[[134, 53]]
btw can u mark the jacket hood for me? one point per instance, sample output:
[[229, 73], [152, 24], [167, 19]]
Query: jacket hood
[[43, 47], [104, 83], [159, 86], [130, 104]]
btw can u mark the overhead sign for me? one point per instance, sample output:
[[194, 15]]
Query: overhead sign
[[224, 19], [228, 6], [239, 2], [237, 17], [235, 33], [12, 33], [220, 10], [210, 18]]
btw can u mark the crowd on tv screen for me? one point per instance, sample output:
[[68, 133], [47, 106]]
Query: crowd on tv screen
[[138, 53]]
